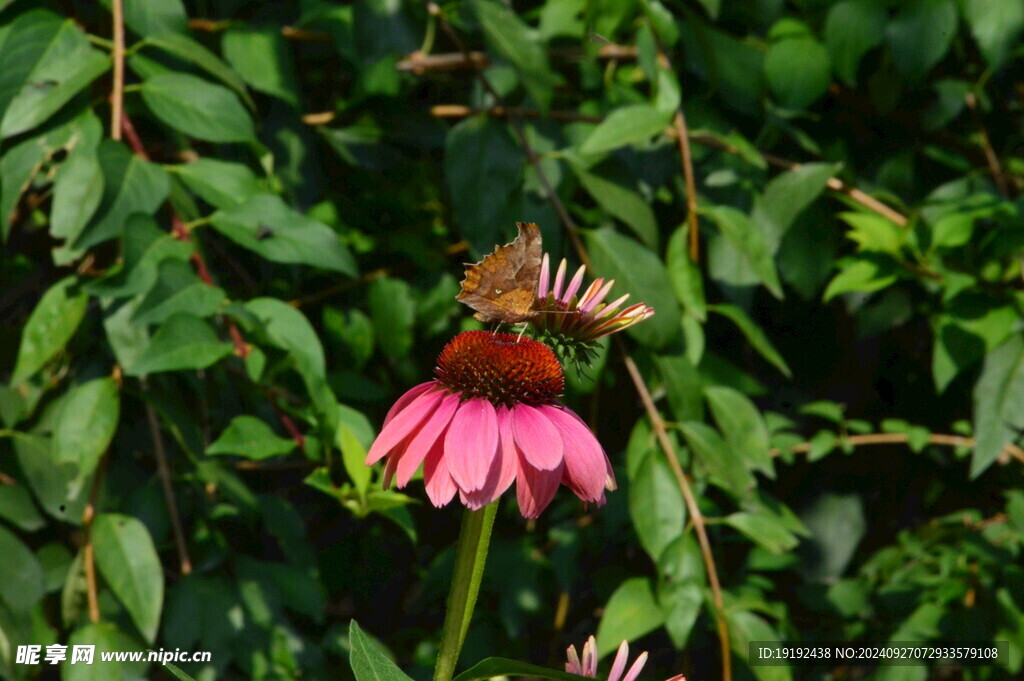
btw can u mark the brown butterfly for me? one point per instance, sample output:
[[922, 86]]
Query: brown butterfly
[[503, 286]]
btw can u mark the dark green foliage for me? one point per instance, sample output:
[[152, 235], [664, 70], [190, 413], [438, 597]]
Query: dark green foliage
[[228, 295]]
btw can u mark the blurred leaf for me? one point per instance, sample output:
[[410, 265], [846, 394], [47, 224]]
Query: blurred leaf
[[998, 403], [197, 108], [853, 27], [873, 232], [754, 335], [185, 48], [971, 326], [518, 43], [66, 65], [750, 242], [798, 71], [864, 273], [288, 329], [50, 482], [996, 26], [78, 184], [726, 470], [353, 456], [86, 424], [837, 525], [144, 247], [266, 225], [482, 168], [682, 386], [681, 602], [631, 612], [786, 196], [21, 576], [16, 508], [130, 185], [183, 341], [746, 626], [108, 639], [494, 667], [656, 504], [763, 530], [367, 660], [128, 561], [148, 17], [178, 289], [393, 312], [29, 37], [259, 54], [687, 281], [623, 203], [742, 426], [640, 273], [920, 35], [221, 184], [626, 125], [177, 673], [251, 438], [49, 328]]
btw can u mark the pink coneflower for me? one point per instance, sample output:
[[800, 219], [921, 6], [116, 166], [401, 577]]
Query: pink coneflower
[[586, 318], [488, 419], [588, 665]]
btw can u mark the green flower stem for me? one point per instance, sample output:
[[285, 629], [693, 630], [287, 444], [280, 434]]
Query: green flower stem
[[474, 538]]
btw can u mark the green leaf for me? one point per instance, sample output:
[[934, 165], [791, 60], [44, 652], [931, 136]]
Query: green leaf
[[148, 17], [972, 325], [996, 27], [182, 342], [16, 508], [726, 469], [353, 456], [21, 576], [682, 386], [29, 38], [998, 403], [742, 425], [78, 184], [127, 559], [49, 328], [631, 612], [483, 167], [144, 247], [687, 281], [55, 486], [108, 639], [367, 660], [853, 27], [177, 673], [494, 667], [131, 185], [744, 627], [197, 108], [681, 602], [873, 232], [252, 438], [764, 530], [393, 312], [623, 203], [178, 289], [920, 35], [656, 505], [266, 225], [66, 66], [259, 54], [798, 71], [754, 335], [786, 196], [626, 125], [507, 35], [837, 525], [86, 424], [288, 329], [865, 273], [748, 240], [222, 184], [185, 48], [640, 273]]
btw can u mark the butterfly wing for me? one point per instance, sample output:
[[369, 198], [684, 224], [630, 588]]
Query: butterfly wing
[[502, 286]]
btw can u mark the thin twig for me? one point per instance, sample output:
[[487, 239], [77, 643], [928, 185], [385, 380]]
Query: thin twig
[[117, 93], [88, 551], [696, 517], [683, 137], [420, 63], [1009, 451], [290, 32], [164, 471], [995, 168]]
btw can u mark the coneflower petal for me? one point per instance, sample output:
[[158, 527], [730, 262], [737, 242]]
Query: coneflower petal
[[637, 667], [429, 431], [585, 467], [545, 274], [403, 424], [619, 665], [573, 286], [471, 443], [436, 478], [535, 488], [559, 279], [536, 437]]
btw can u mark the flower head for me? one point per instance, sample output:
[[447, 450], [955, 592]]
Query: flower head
[[492, 417], [588, 665], [575, 322]]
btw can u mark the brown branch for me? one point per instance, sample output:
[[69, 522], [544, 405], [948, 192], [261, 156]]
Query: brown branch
[[463, 60], [696, 517], [994, 167], [290, 32], [1009, 451], [88, 551], [117, 93], [164, 471], [683, 137]]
